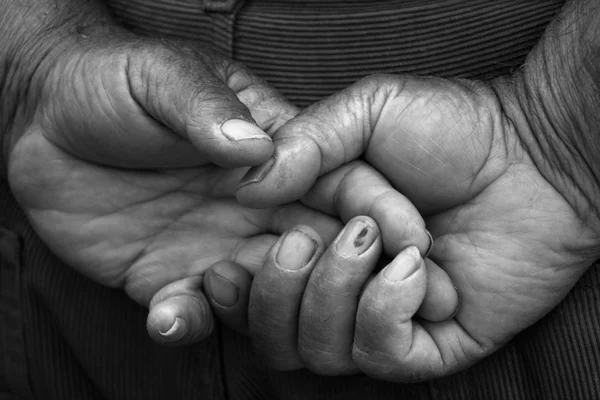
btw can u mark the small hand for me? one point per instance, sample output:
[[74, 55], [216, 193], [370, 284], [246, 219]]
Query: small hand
[[511, 243], [117, 160]]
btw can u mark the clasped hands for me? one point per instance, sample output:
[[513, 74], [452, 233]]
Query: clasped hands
[[131, 163]]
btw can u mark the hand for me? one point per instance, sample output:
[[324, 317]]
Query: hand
[[117, 159], [510, 242], [304, 301]]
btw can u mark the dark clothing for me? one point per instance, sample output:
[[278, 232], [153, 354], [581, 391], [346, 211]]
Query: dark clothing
[[65, 337], [312, 48]]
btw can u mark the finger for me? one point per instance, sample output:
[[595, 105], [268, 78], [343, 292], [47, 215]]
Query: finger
[[187, 91], [269, 108], [180, 314], [413, 130], [251, 252], [323, 137], [405, 278], [248, 249], [389, 345], [227, 287], [276, 296], [296, 213], [358, 189], [442, 299], [328, 311]]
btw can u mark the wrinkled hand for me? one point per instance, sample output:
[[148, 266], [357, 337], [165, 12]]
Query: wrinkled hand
[[510, 242], [303, 302], [117, 159]]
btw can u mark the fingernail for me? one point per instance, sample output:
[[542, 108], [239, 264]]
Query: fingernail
[[256, 174], [404, 265], [459, 303], [223, 291], [176, 331], [356, 238], [296, 250], [238, 129], [430, 244]]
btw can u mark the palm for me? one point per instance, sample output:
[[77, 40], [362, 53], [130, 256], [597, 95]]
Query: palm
[[72, 170], [512, 258], [510, 242], [139, 229]]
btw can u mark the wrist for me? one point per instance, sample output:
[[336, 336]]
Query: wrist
[[553, 104], [35, 34], [19, 85]]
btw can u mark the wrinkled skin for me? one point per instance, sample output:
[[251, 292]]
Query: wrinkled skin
[[118, 160], [512, 244], [120, 164]]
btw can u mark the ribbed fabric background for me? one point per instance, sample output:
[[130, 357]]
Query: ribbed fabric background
[[310, 49], [183, 19], [64, 337]]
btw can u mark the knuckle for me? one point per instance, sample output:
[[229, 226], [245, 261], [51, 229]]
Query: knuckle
[[321, 361], [389, 205], [360, 175], [239, 79], [372, 362], [378, 82], [361, 357]]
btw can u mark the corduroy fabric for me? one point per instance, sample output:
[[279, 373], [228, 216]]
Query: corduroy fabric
[[310, 49], [12, 336], [64, 337]]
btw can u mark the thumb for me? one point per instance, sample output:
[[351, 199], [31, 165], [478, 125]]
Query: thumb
[[190, 92], [151, 103], [318, 140], [436, 140]]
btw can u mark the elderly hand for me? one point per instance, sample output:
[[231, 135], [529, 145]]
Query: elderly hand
[[117, 152], [303, 314], [505, 230]]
